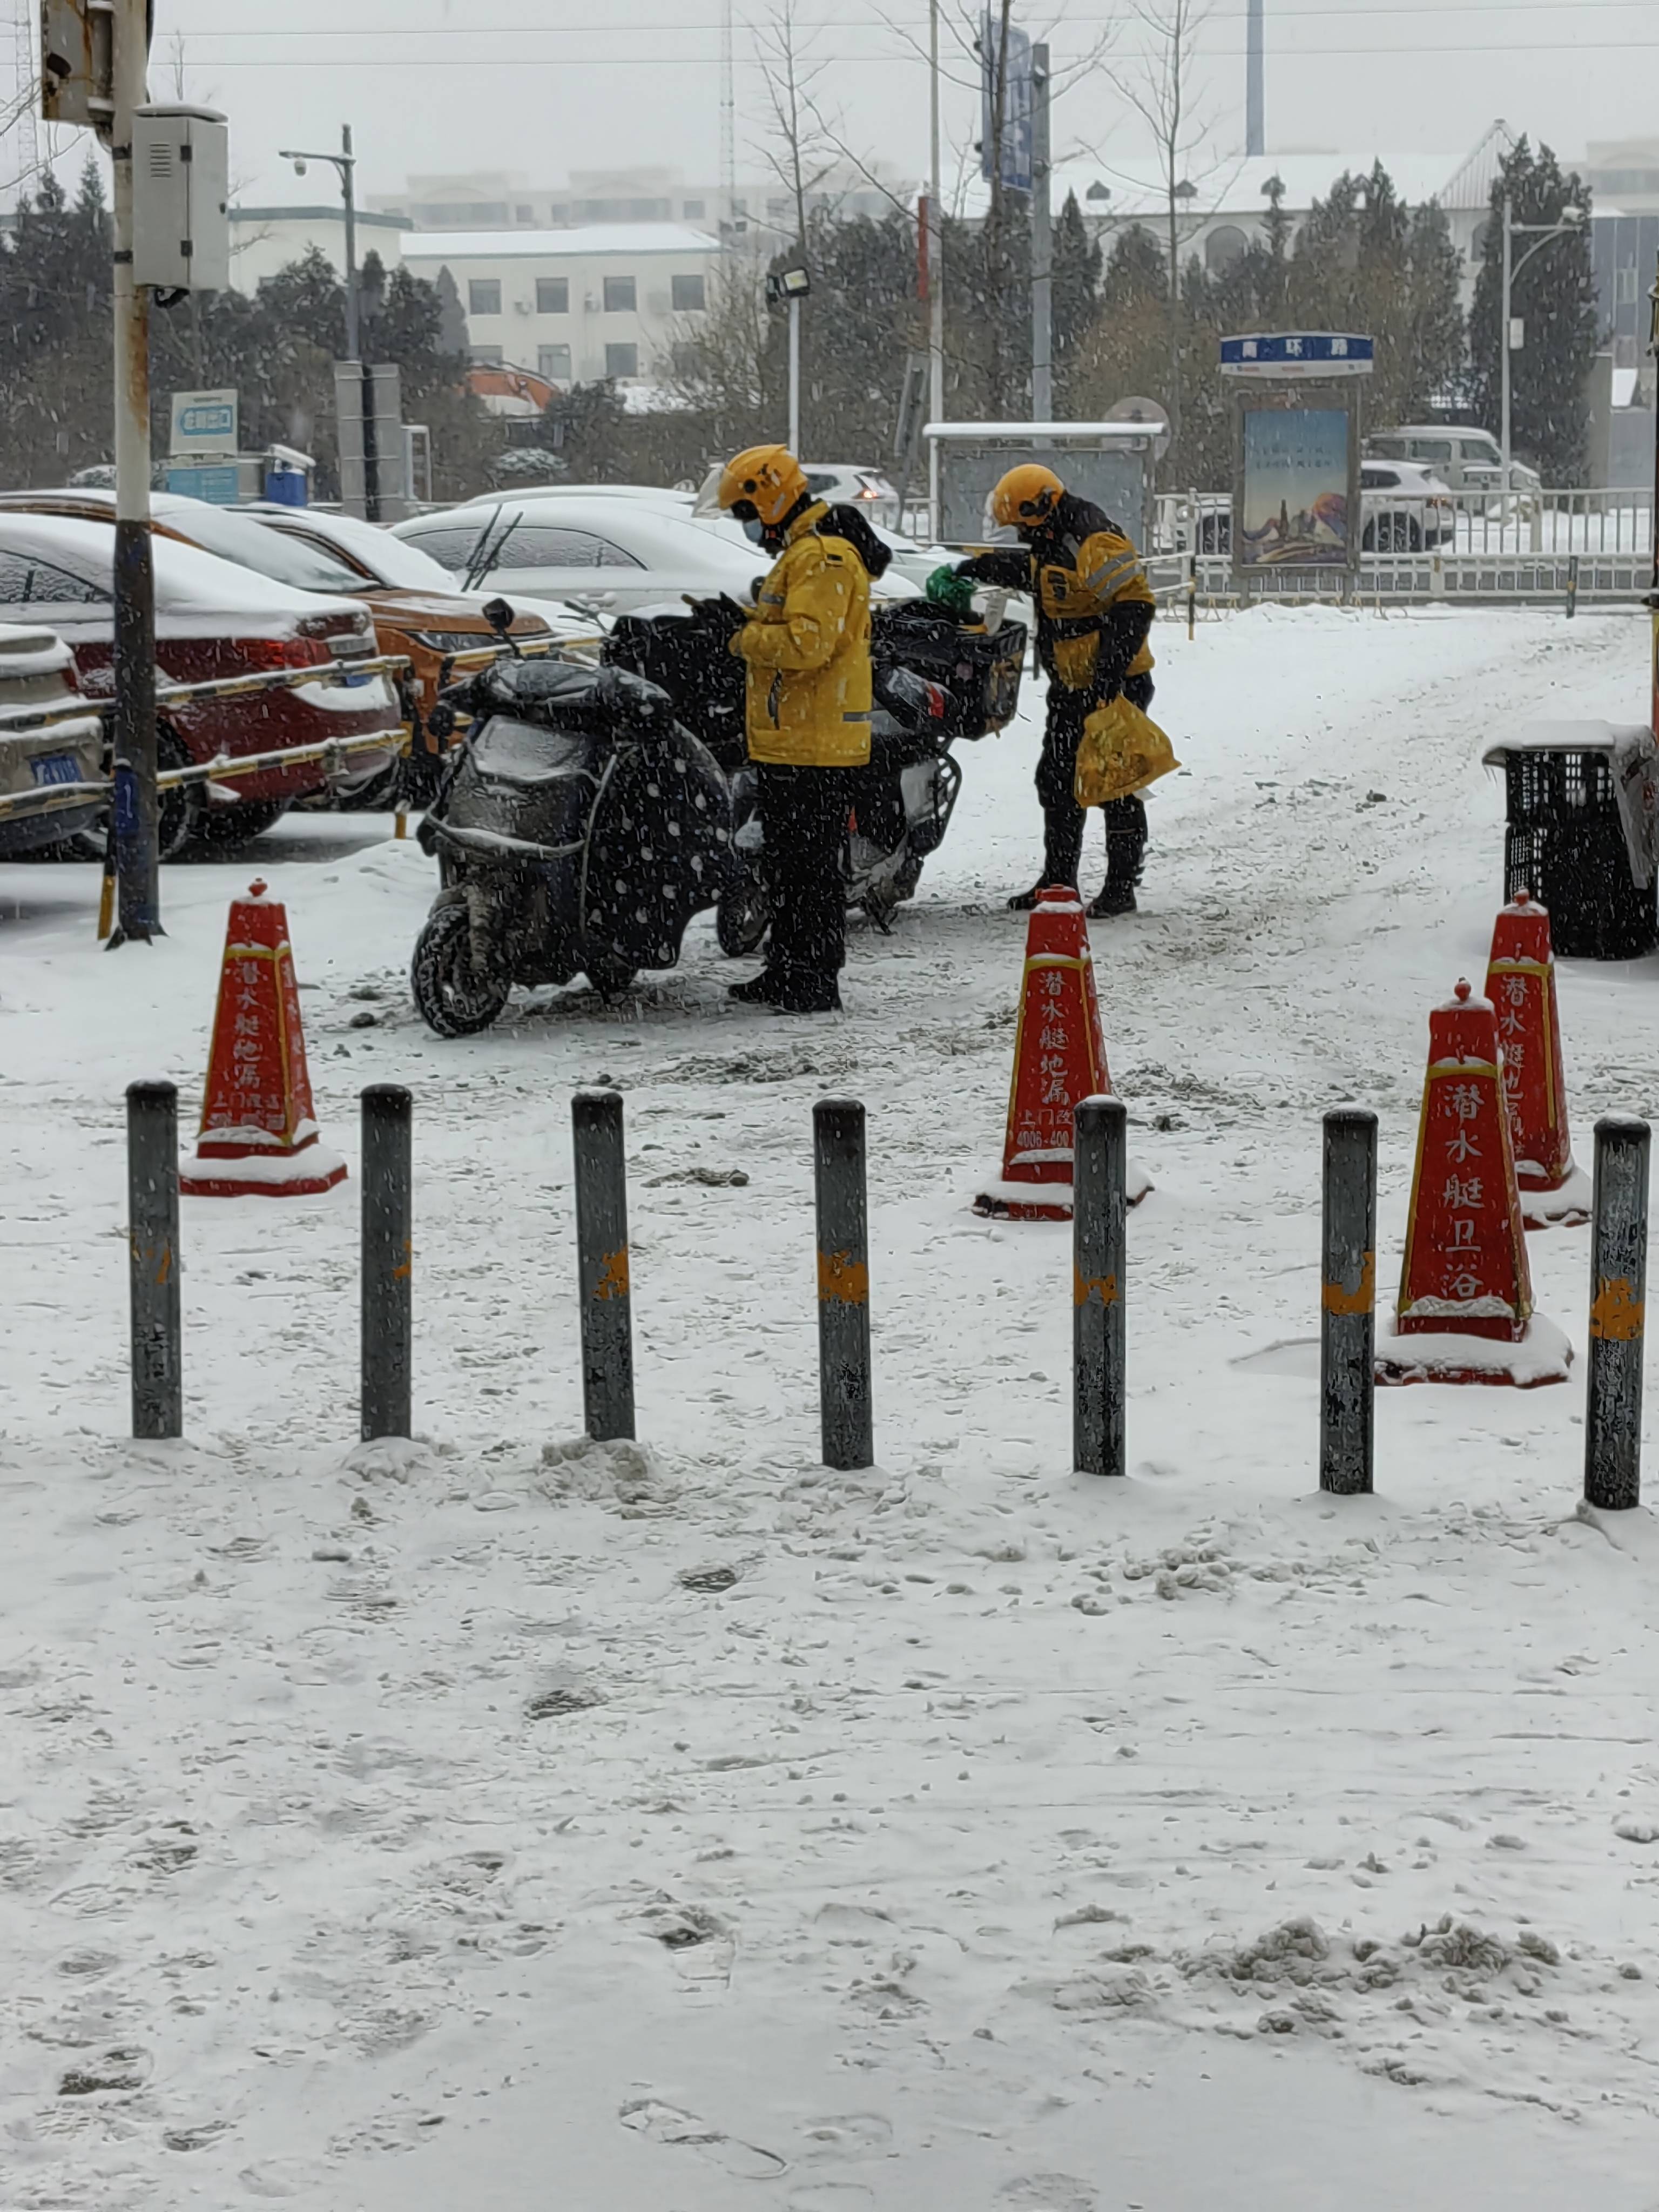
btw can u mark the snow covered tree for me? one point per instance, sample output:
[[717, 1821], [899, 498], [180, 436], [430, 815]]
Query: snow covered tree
[[1554, 297], [1075, 266]]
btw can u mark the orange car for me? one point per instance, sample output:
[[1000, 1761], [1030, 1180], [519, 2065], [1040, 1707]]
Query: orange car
[[416, 608]]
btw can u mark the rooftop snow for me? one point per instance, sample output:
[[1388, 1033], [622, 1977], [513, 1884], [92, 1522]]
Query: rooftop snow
[[594, 238]]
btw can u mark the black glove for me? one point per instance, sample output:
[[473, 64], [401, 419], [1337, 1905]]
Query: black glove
[[1010, 566]]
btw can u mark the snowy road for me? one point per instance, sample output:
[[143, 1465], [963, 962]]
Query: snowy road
[[493, 1825]]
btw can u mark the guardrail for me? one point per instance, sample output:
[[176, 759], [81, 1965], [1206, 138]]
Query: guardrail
[[1616, 521], [1392, 579], [224, 768]]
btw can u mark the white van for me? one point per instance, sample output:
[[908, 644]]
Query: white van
[[1465, 459]]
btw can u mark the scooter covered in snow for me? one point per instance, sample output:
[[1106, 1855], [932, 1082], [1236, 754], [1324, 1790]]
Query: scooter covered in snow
[[578, 828], [937, 676]]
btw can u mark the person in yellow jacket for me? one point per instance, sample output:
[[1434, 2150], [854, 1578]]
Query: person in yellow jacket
[[807, 650], [1094, 609]]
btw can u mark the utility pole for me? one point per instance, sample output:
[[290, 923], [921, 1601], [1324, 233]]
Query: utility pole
[[1507, 336], [135, 800], [935, 274], [1042, 247], [344, 164], [1255, 119]]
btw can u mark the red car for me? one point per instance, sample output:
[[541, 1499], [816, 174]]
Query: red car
[[212, 619]]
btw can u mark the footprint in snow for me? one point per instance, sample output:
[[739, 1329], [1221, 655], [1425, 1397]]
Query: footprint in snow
[[1047, 2192], [666, 2123]]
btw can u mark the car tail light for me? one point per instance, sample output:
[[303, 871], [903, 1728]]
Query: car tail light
[[282, 652]]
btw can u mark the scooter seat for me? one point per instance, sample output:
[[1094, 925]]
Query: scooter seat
[[527, 755]]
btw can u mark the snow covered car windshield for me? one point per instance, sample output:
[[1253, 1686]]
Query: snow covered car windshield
[[238, 537]]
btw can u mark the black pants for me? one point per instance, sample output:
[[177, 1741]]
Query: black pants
[[1056, 780], [804, 820]]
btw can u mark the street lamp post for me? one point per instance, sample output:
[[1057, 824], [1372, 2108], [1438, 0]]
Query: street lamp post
[[789, 287], [344, 164], [1570, 221]]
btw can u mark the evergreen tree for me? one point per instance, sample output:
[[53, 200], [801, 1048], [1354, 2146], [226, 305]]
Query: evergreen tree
[[1554, 297], [1075, 267]]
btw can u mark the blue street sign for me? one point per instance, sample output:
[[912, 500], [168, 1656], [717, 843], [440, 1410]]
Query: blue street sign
[[1320, 353], [217, 484]]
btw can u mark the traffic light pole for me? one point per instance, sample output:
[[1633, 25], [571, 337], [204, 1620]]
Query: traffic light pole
[[136, 800]]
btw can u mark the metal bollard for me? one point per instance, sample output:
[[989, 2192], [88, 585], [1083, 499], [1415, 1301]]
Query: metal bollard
[[1347, 1304], [388, 1259], [158, 1388], [1572, 586], [596, 1118], [844, 1390], [1619, 1277], [1100, 1152]]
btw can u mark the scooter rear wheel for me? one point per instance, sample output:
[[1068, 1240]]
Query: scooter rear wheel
[[451, 999]]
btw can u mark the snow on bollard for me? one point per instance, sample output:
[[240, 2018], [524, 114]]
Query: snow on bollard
[[1464, 1313], [1618, 1275], [1059, 1059], [1099, 1256], [1347, 1304], [603, 1288], [1520, 984], [845, 1398], [158, 1395], [388, 1260]]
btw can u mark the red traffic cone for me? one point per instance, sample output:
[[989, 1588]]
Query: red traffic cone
[[1059, 1059], [259, 1134], [1520, 984], [1465, 1308]]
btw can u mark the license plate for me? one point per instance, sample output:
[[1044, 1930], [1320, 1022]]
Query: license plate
[[354, 681], [55, 768]]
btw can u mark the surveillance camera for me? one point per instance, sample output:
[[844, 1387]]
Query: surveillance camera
[[299, 169]]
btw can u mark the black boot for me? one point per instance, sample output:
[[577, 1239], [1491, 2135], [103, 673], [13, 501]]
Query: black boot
[[762, 990], [1124, 855], [805, 991], [1062, 853]]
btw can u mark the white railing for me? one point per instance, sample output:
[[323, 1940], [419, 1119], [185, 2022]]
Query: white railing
[[1395, 579], [1618, 521]]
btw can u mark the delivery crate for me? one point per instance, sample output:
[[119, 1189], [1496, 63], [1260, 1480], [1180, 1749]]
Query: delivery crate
[[1566, 843], [981, 669]]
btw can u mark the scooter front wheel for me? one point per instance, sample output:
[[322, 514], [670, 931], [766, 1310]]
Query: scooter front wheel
[[453, 999], [742, 918]]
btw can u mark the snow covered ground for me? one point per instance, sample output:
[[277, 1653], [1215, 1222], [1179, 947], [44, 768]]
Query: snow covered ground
[[499, 1823]]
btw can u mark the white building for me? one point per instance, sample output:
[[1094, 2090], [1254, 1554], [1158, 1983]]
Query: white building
[[506, 200], [604, 301], [263, 240]]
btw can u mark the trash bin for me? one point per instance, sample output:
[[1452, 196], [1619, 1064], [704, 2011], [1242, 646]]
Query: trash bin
[[1582, 815]]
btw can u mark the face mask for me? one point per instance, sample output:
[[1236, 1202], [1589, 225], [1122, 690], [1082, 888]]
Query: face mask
[[755, 530]]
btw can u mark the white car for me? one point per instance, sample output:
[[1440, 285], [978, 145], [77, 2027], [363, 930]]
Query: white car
[[400, 565], [612, 555]]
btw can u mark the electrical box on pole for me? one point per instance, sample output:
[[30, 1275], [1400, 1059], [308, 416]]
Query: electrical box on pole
[[180, 187]]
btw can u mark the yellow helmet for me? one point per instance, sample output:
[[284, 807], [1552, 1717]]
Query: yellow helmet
[[1026, 496], [767, 478]]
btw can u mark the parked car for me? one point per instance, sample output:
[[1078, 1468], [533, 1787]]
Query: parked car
[[1403, 509], [1465, 459], [37, 670], [610, 555], [416, 610], [213, 619]]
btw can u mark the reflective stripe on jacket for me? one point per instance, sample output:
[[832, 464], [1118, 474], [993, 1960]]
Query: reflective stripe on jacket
[[807, 647], [1082, 567]]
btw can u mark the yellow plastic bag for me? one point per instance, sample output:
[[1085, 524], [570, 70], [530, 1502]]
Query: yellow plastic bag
[[1122, 750]]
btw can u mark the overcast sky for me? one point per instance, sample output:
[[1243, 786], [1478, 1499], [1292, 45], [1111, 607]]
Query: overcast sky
[[545, 86]]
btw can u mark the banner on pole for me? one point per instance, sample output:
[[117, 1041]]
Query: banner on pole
[[1004, 81]]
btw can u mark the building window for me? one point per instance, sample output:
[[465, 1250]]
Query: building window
[[485, 356], [524, 213], [483, 295], [1625, 288], [619, 298], [554, 363], [462, 215], [558, 215], [777, 211], [622, 361], [739, 207], [688, 296], [693, 211], [552, 295], [1225, 244]]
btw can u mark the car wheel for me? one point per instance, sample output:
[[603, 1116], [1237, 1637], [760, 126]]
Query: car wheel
[[741, 919], [178, 810], [451, 997], [1414, 538]]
